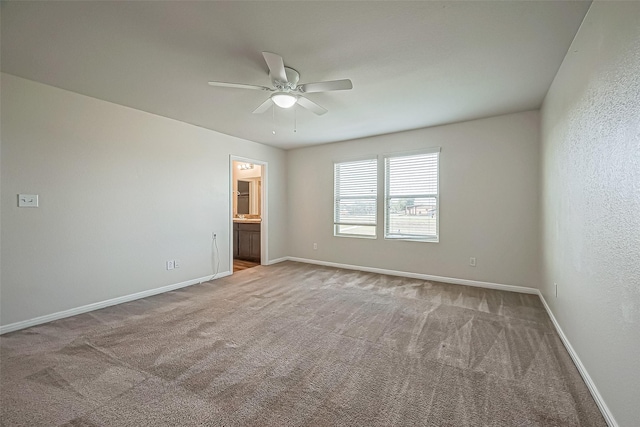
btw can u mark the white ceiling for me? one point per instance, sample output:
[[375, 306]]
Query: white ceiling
[[413, 64]]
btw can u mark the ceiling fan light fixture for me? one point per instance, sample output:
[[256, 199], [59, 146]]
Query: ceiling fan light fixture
[[285, 91], [284, 100]]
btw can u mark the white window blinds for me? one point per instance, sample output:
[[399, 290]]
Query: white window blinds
[[355, 196], [411, 196]]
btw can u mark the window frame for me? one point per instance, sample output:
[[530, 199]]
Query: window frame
[[387, 197], [375, 196]]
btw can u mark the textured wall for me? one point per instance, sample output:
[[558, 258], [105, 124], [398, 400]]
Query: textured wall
[[488, 202], [591, 201], [121, 191]]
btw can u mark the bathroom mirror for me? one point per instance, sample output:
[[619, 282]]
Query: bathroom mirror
[[247, 189], [243, 197], [248, 196]]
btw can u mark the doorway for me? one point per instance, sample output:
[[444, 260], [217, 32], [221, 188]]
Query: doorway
[[248, 213]]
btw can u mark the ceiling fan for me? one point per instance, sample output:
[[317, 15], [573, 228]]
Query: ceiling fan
[[286, 91]]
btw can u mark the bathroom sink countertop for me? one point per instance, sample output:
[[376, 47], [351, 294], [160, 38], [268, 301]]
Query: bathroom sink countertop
[[247, 219]]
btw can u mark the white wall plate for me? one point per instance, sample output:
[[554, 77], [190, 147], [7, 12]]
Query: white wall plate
[[27, 200]]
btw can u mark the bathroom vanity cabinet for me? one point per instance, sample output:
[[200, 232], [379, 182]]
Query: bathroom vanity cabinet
[[246, 241]]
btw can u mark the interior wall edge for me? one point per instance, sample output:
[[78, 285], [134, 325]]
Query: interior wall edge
[[604, 409], [11, 327]]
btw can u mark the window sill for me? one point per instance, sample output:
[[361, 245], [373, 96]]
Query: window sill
[[407, 239], [356, 236]]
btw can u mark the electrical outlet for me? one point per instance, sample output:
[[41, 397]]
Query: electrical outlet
[[171, 265], [214, 235], [315, 246], [176, 263], [472, 261], [27, 200]]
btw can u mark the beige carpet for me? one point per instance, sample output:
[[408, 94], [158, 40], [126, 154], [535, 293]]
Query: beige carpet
[[299, 345]]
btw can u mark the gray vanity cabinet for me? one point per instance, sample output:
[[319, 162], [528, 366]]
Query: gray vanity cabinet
[[246, 241]]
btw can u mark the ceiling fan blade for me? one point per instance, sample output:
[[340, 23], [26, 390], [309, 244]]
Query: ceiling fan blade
[[276, 66], [263, 107], [238, 86], [311, 106], [326, 86]]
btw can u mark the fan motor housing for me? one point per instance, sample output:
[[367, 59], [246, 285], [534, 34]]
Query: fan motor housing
[[292, 76]]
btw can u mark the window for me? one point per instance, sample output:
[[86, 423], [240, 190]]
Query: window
[[411, 196], [355, 198]]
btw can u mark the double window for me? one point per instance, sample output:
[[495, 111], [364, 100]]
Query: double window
[[411, 208]]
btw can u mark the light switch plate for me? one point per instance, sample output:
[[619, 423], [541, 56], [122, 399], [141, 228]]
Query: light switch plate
[[27, 200]]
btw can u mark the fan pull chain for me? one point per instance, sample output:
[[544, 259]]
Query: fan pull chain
[[295, 119], [273, 117]]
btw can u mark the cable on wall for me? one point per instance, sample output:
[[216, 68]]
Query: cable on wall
[[215, 256]]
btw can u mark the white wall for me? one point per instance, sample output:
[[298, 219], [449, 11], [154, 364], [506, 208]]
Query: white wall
[[591, 202], [488, 202], [121, 191]]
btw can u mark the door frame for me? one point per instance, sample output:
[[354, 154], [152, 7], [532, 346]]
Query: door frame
[[264, 211]]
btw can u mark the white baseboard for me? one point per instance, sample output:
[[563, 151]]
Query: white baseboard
[[277, 260], [604, 409], [102, 304], [452, 280]]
